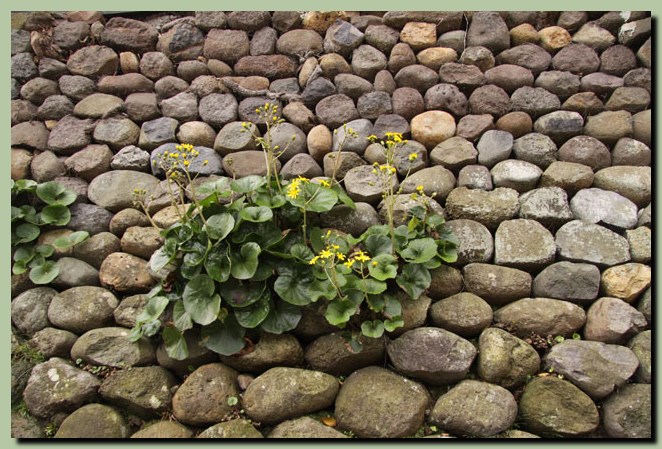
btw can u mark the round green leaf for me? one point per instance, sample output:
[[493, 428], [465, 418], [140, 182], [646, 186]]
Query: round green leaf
[[196, 252], [218, 265], [70, 240], [419, 250], [200, 301], [318, 198], [394, 323], [153, 310], [181, 317], [24, 185], [282, 317], [250, 317], [248, 184], [272, 201], [372, 329], [57, 215], [339, 312], [25, 254], [19, 267], [219, 226], [293, 288], [392, 307], [414, 279], [53, 193], [25, 233], [245, 262], [242, 294], [378, 244], [371, 286], [226, 338], [44, 273], [175, 344], [256, 214], [383, 266]]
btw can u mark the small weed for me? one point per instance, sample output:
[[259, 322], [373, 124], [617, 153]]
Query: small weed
[[50, 430], [22, 410], [27, 352]]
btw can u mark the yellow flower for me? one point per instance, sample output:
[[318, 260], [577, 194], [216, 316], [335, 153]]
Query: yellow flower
[[372, 137], [340, 256], [205, 162], [362, 257], [186, 163], [413, 157], [374, 263], [349, 263], [326, 254], [420, 189], [324, 183], [293, 189]]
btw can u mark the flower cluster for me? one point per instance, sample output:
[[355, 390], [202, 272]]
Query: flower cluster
[[357, 256], [384, 168], [330, 253], [294, 187]]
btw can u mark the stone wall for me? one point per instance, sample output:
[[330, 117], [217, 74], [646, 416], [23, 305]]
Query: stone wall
[[533, 131]]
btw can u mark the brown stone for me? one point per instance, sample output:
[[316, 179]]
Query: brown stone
[[626, 281]]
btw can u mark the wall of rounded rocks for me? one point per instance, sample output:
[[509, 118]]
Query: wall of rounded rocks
[[533, 131]]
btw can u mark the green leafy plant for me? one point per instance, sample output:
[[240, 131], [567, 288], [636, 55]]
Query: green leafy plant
[[246, 256], [26, 224]]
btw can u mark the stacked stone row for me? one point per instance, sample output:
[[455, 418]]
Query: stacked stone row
[[531, 131]]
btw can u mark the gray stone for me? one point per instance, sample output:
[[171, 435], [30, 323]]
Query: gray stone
[[391, 123], [631, 99], [268, 66], [464, 314], [114, 190], [331, 354], [182, 107], [446, 97], [639, 240], [96, 248], [493, 147], [300, 116], [577, 58], [109, 346], [245, 163], [574, 411], [141, 107], [574, 282], [613, 321], [488, 30], [93, 61], [594, 36], [301, 164], [529, 56], [602, 206], [75, 273], [53, 342], [304, 391], [586, 150], [76, 87], [471, 127], [631, 152], [490, 99], [130, 158], [585, 242], [480, 57], [634, 183], [90, 218], [446, 281], [562, 84], [169, 86], [90, 162], [475, 177], [377, 403], [640, 77], [476, 243], [634, 33], [414, 312], [98, 106], [535, 148], [55, 386], [218, 109], [270, 351], [316, 90], [467, 77], [182, 42], [235, 428], [156, 65], [515, 174], [437, 182], [289, 139], [504, 359], [342, 38], [542, 316], [509, 77], [336, 110], [164, 429], [93, 421], [70, 135], [205, 163], [645, 216], [641, 124], [597, 368], [129, 35], [38, 89], [233, 137], [263, 42], [367, 61], [126, 273], [610, 126], [407, 102], [559, 125], [22, 111], [226, 45], [46, 167], [547, 205], [23, 67], [416, 76], [402, 204], [627, 413], [488, 208], [454, 153], [535, 101], [337, 164], [352, 221], [55, 107], [371, 105], [29, 310], [600, 83], [641, 346], [304, 427], [424, 354], [475, 408], [128, 310], [617, 60], [524, 244], [363, 185], [143, 391], [382, 37]]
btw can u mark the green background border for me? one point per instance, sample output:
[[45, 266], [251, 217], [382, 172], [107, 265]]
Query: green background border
[[383, 5]]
